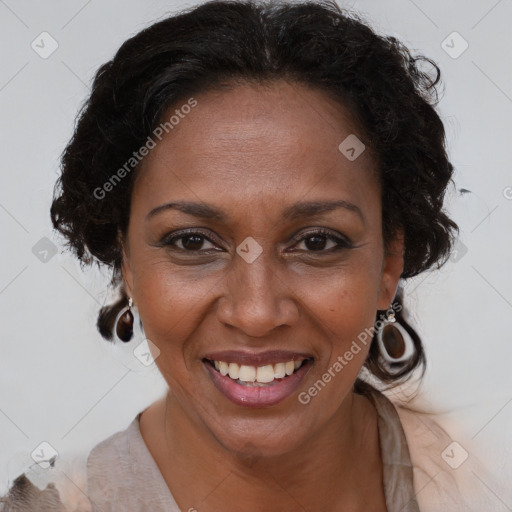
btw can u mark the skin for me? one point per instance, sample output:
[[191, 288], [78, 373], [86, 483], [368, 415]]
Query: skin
[[252, 152]]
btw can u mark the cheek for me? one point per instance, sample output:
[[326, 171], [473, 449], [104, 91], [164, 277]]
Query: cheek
[[170, 303], [342, 303], [343, 309]]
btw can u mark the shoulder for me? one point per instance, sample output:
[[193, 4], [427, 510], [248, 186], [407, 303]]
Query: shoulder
[[444, 469], [110, 464], [111, 448], [122, 475], [95, 480]]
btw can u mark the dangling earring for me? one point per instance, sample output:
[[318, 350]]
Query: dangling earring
[[395, 343], [123, 325]]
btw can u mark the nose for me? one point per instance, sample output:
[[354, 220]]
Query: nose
[[257, 299]]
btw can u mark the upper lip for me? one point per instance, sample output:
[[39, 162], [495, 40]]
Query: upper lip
[[256, 358]]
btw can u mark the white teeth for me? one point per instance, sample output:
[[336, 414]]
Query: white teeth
[[234, 371], [247, 373], [279, 370], [223, 367], [265, 373], [261, 374]]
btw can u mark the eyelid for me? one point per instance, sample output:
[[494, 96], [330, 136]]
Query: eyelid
[[176, 235], [305, 232], [341, 241]]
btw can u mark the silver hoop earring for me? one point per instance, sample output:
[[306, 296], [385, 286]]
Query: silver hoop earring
[[395, 343]]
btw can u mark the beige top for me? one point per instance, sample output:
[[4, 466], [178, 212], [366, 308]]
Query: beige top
[[122, 474], [424, 470]]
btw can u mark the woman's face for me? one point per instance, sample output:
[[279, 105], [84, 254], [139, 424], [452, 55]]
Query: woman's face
[[259, 267]]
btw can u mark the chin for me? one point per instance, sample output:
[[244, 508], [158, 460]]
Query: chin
[[254, 439]]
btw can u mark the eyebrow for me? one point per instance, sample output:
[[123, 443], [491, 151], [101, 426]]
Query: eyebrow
[[293, 212], [312, 208], [196, 209]]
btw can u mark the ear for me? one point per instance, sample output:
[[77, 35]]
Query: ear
[[392, 268], [126, 269]]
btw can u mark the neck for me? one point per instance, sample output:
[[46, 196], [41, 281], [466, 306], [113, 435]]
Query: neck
[[326, 471]]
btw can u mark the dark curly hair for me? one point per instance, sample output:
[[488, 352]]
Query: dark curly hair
[[222, 43]]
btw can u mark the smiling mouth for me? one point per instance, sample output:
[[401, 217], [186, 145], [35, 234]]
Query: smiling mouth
[[258, 376]]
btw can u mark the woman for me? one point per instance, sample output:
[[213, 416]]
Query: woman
[[260, 177]]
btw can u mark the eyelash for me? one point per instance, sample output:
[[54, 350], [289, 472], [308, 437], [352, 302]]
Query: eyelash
[[168, 241]]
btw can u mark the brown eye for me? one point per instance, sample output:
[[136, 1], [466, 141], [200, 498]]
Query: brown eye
[[322, 241], [315, 242], [192, 241]]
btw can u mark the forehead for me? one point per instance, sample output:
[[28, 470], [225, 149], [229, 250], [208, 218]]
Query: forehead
[[256, 143]]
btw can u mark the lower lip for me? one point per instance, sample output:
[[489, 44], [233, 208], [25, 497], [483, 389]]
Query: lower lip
[[258, 396]]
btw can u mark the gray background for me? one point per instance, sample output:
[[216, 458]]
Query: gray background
[[61, 383]]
